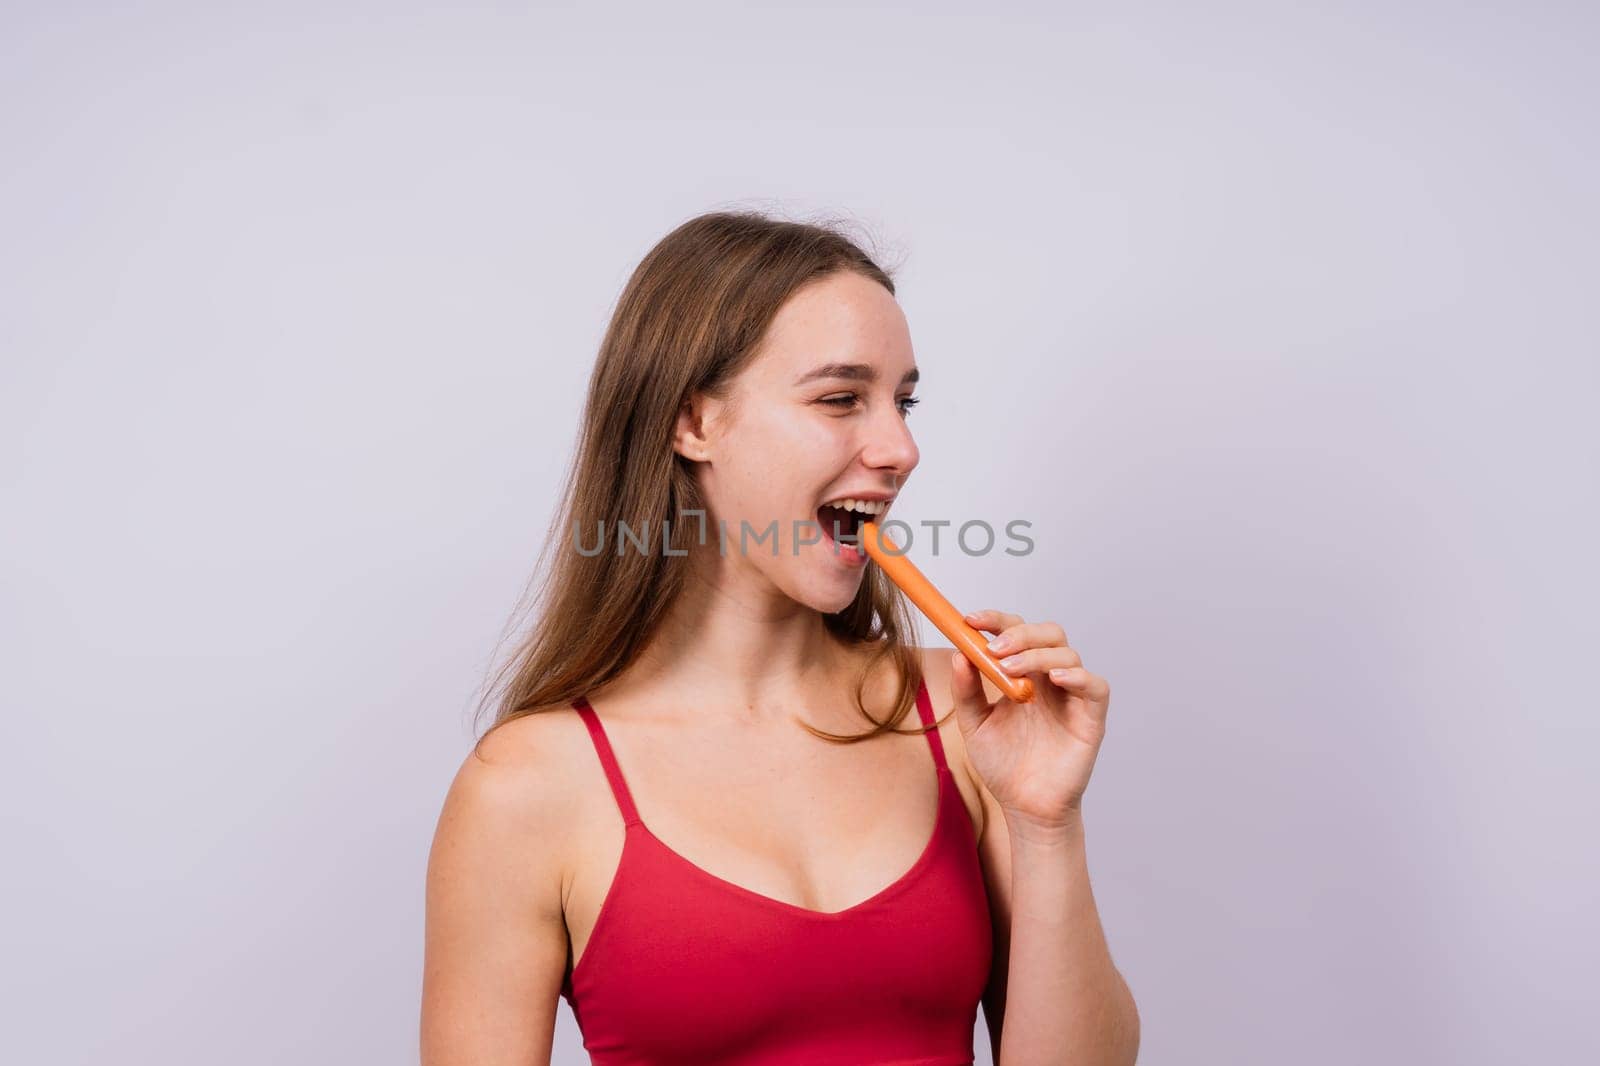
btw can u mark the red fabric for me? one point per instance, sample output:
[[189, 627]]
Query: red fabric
[[684, 967]]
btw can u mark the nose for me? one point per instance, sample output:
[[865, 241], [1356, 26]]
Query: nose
[[889, 445]]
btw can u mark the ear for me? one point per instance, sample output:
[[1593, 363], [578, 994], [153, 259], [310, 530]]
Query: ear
[[689, 438]]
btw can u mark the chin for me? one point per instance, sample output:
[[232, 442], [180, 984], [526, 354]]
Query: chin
[[826, 597], [834, 607]]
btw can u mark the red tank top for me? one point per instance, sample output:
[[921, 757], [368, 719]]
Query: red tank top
[[685, 967]]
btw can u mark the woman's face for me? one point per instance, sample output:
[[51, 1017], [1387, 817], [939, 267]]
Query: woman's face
[[817, 417]]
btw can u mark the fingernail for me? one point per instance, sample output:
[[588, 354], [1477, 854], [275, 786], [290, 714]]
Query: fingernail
[[999, 644], [1011, 662]]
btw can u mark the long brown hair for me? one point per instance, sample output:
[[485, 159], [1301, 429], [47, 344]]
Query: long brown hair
[[690, 319]]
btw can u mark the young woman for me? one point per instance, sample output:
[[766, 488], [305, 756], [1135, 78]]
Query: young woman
[[701, 814]]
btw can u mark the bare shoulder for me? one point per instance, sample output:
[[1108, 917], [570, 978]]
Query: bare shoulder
[[936, 675], [496, 941], [534, 745], [520, 779]]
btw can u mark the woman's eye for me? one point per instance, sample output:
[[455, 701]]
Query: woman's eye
[[906, 403]]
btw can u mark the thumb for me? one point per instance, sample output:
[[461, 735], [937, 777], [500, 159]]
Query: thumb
[[966, 691]]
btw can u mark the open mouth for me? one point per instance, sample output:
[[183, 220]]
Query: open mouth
[[841, 524]]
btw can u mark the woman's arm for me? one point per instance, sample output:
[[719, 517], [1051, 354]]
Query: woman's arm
[[1054, 994], [1062, 998], [496, 942]]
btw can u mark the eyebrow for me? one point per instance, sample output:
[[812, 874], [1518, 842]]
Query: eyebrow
[[852, 372]]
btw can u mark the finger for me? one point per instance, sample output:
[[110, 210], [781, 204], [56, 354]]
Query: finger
[[1038, 660], [991, 621], [1076, 679], [1028, 635], [966, 692]]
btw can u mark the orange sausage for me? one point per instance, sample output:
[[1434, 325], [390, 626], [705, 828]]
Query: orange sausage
[[940, 611]]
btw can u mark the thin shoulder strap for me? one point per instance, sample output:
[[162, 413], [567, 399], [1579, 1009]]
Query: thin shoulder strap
[[935, 741], [608, 761]]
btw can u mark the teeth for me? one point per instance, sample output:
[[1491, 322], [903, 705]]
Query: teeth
[[867, 507]]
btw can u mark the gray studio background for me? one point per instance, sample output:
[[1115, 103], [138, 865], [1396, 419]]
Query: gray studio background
[[1277, 321]]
